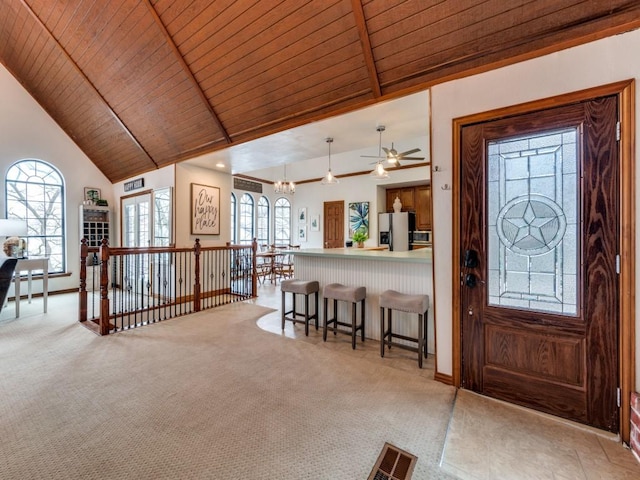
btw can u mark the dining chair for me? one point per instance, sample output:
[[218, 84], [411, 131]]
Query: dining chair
[[6, 276]]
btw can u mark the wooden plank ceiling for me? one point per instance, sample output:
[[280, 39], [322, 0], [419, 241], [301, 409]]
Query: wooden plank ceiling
[[141, 84]]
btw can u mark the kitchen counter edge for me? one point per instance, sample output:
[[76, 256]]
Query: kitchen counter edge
[[422, 255]]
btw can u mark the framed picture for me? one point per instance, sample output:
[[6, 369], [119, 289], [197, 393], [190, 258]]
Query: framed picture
[[91, 194], [302, 215], [302, 233], [205, 210], [315, 223], [359, 217]]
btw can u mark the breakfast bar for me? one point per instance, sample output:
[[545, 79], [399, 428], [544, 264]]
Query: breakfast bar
[[378, 270]]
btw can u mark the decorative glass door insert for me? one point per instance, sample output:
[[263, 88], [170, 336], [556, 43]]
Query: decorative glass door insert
[[533, 222]]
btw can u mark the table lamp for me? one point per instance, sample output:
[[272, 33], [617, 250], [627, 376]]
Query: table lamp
[[12, 229]]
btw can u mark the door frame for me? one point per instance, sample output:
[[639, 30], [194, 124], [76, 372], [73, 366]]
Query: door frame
[[625, 91]]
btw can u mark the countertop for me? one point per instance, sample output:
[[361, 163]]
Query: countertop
[[422, 255]]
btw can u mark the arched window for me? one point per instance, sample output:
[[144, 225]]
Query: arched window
[[282, 217], [246, 219], [234, 219], [263, 221], [34, 192]]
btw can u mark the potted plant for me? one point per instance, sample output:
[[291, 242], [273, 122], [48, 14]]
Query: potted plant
[[359, 237]]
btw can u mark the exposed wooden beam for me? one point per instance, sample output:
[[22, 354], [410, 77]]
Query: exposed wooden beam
[[187, 70], [361, 24], [89, 82]]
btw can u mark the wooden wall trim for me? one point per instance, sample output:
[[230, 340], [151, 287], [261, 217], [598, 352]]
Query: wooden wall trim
[[345, 175], [625, 90], [443, 378], [456, 298], [627, 285]]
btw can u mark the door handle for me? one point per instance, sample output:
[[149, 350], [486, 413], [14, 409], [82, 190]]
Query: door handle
[[470, 280]]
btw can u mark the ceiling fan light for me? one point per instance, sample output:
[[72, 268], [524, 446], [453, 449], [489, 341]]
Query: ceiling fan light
[[379, 172]]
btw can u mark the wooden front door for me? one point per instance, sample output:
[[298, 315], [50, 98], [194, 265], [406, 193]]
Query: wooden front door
[[539, 239], [334, 224]]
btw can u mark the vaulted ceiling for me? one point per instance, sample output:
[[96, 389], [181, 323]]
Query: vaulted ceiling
[[141, 84]]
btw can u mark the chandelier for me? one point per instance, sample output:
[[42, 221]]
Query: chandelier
[[283, 187]]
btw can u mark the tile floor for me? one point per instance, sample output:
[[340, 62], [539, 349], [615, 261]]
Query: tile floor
[[487, 438]]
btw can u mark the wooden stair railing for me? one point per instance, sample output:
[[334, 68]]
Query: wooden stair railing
[[131, 287]]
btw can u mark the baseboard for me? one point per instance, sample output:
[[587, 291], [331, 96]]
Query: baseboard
[[443, 377], [39, 294]]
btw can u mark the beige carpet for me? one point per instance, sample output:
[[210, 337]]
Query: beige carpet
[[205, 396]]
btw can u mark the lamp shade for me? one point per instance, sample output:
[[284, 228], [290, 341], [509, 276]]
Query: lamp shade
[[379, 173], [13, 227]]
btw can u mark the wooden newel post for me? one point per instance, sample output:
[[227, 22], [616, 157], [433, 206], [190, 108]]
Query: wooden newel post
[[104, 287], [84, 252], [196, 285], [254, 269]]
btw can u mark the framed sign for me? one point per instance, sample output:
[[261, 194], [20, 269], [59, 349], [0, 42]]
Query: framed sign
[[134, 184], [205, 210]]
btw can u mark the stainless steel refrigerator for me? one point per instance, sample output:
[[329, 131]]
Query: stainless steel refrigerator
[[395, 230]]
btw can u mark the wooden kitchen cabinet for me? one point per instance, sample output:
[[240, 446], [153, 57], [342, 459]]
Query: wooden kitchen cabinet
[[392, 193], [423, 208], [414, 199], [407, 197]]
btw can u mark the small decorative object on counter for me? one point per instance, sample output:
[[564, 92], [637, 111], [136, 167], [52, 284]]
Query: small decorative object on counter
[[359, 237], [397, 205]]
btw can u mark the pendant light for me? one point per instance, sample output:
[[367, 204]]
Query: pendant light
[[379, 173], [283, 187], [329, 178]]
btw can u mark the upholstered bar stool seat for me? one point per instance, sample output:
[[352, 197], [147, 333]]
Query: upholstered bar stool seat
[[418, 304], [354, 295], [300, 287]]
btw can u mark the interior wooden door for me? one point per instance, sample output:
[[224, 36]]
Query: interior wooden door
[[334, 224], [539, 239]]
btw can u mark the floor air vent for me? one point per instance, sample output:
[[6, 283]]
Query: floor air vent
[[393, 464]]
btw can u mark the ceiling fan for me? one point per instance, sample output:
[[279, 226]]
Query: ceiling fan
[[391, 154]]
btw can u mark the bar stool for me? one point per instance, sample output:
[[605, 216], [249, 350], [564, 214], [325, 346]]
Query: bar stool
[[353, 295], [419, 304], [301, 287]]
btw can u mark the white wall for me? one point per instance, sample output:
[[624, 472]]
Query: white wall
[[605, 61], [27, 131], [186, 175]]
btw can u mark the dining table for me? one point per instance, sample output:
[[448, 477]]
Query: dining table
[[271, 256]]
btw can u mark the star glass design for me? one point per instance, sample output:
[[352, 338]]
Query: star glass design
[[531, 225]]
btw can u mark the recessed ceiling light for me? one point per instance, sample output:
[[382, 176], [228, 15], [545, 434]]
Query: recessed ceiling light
[[220, 165]]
